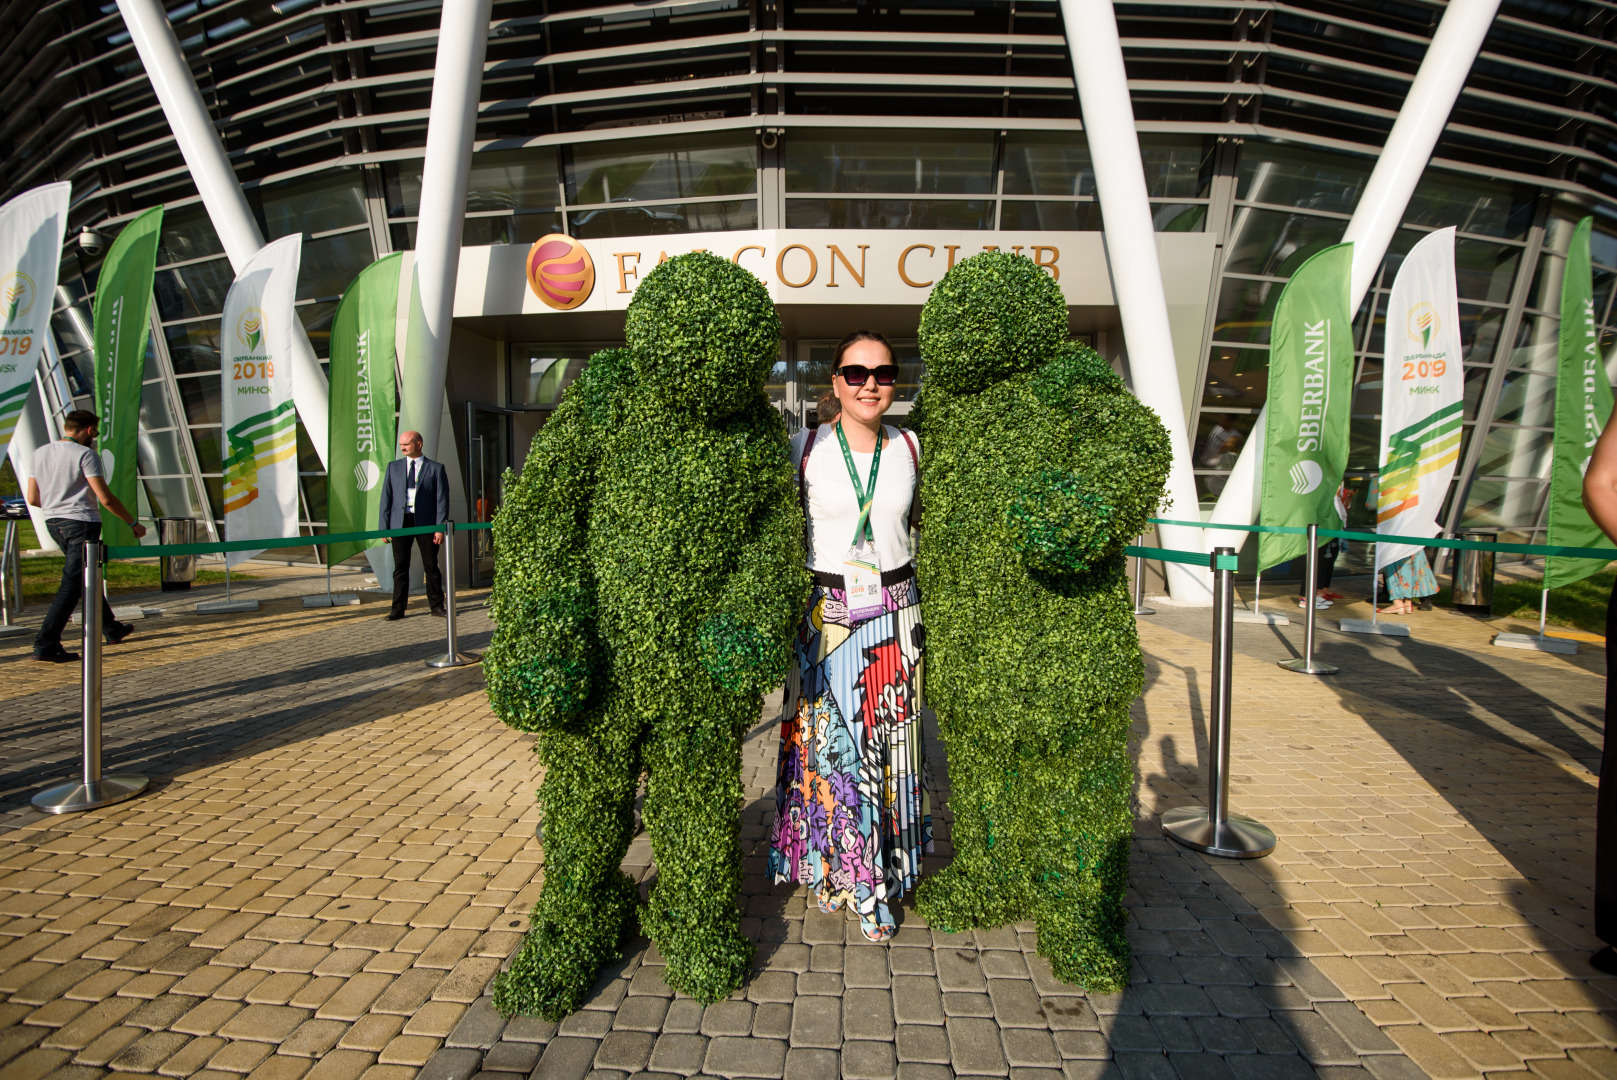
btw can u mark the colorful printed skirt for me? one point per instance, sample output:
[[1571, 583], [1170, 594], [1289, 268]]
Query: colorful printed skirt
[[1410, 578], [852, 814]]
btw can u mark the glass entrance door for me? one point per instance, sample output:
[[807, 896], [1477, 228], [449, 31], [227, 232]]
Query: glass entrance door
[[488, 455]]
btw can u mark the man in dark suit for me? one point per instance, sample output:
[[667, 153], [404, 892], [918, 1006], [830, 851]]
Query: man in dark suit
[[415, 492]]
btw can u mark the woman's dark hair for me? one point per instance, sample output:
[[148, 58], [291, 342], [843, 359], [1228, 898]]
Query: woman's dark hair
[[829, 408]]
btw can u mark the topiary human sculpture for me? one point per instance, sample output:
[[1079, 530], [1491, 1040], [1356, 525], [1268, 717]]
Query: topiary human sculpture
[[649, 581], [1038, 468]]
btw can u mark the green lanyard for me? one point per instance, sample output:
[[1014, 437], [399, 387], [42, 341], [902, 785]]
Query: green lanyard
[[866, 496]]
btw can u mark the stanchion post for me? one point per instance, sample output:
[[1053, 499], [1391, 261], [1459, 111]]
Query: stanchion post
[[92, 790], [454, 657], [1139, 583], [1211, 828], [1306, 663], [7, 573]]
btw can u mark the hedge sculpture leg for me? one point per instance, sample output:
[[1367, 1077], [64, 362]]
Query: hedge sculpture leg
[[588, 903], [692, 810]]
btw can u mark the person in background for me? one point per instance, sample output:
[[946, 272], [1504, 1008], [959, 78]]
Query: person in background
[[1325, 559], [1600, 499], [415, 492], [70, 487], [1409, 579]]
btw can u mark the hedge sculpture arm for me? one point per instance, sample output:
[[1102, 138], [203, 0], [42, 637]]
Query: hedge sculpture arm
[[541, 660], [1069, 519], [746, 644]]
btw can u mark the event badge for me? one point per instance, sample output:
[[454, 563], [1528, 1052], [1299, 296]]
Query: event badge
[[861, 576]]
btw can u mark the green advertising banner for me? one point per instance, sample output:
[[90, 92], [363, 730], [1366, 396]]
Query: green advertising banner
[[1582, 407], [1305, 435], [122, 314], [362, 403]]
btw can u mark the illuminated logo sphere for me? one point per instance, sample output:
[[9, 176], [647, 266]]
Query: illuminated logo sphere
[[560, 271]]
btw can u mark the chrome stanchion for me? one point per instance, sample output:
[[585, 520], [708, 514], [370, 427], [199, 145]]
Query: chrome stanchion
[[10, 584], [1139, 583], [454, 657], [1212, 829], [92, 790], [1306, 662]]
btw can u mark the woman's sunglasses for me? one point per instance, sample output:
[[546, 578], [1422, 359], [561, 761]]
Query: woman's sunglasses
[[859, 374]]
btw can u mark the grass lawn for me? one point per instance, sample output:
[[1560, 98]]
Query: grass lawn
[[42, 575], [27, 540], [1579, 606]]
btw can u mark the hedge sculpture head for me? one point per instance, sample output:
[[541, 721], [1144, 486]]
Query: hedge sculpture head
[[703, 335], [992, 316]]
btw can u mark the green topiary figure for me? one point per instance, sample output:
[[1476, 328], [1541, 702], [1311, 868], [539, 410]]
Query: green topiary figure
[[1038, 467], [649, 580]]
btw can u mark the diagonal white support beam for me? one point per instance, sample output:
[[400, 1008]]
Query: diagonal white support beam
[[216, 182], [457, 80], [1386, 196], [1131, 250]]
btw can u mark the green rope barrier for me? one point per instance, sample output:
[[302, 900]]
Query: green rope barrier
[[1604, 554], [146, 551], [1192, 558]]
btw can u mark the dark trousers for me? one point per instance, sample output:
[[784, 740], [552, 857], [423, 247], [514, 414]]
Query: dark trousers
[[431, 557], [70, 536], [1325, 565], [1606, 800]]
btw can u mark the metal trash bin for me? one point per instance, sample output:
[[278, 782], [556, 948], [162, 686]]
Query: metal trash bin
[[177, 571], [1473, 577]]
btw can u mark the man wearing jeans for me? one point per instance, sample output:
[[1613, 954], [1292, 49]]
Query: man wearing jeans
[[69, 486]]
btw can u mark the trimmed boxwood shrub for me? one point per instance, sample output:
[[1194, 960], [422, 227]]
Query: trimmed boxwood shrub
[[1038, 467], [649, 578]]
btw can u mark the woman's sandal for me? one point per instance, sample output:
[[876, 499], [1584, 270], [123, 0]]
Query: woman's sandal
[[825, 904], [875, 930]]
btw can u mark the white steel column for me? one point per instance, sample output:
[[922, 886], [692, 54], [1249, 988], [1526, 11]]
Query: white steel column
[[216, 182], [1386, 196], [457, 80], [1131, 255]]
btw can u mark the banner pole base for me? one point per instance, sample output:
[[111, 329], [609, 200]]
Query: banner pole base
[[1239, 838], [1537, 643], [75, 796], [1308, 667]]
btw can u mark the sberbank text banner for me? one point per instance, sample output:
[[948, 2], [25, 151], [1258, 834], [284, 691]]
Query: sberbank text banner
[[1582, 407], [1421, 387], [362, 402], [261, 432], [1305, 440], [30, 251], [123, 305]]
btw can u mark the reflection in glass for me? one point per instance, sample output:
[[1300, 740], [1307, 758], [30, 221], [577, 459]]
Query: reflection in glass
[[205, 440], [334, 199], [661, 169], [1486, 207], [1276, 243], [1516, 452], [193, 346], [667, 218], [1294, 176], [1220, 436], [1367, 391], [1236, 378], [200, 398], [508, 229], [1500, 504], [947, 163], [513, 180], [1177, 166], [1178, 217], [1045, 164], [888, 214], [1050, 216], [1527, 397], [187, 234], [1537, 343], [158, 453], [184, 292], [539, 373], [171, 497], [316, 320], [154, 406], [1245, 310], [330, 264], [1476, 381], [1545, 292], [1479, 332]]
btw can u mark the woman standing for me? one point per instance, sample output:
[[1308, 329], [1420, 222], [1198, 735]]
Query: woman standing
[[1409, 579], [852, 818]]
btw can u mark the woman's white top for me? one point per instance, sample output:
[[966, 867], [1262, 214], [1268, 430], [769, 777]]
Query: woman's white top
[[833, 507]]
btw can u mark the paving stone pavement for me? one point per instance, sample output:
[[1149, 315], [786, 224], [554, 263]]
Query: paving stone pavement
[[328, 875]]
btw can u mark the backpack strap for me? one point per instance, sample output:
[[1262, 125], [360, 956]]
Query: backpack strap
[[909, 442], [802, 472]]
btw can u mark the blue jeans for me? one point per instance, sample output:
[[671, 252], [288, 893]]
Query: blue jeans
[[71, 536]]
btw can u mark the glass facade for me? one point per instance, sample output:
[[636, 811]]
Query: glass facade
[[1259, 125]]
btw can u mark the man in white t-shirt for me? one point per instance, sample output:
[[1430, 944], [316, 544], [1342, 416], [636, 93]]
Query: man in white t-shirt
[[69, 486]]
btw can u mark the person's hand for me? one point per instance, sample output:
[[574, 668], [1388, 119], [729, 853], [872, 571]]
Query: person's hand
[[138, 529], [437, 538]]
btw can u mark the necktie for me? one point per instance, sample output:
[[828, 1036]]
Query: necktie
[[411, 481]]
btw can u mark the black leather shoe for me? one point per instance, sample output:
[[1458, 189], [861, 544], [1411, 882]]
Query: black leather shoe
[[438, 612], [394, 616], [119, 631], [57, 656]]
